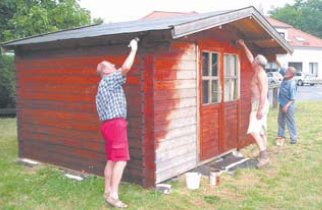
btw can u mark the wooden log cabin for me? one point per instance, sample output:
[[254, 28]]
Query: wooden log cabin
[[188, 92]]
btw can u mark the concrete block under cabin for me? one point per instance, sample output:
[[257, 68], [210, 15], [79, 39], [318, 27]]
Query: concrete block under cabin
[[188, 93]]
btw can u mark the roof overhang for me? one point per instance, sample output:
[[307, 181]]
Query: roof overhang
[[178, 27], [226, 18]]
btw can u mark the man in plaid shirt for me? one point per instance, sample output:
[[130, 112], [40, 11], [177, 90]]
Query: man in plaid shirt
[[111, 109]]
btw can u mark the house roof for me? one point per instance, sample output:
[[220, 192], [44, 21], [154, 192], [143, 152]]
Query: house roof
[[296, 37], [179, 26], [161, 14], [277, 23]]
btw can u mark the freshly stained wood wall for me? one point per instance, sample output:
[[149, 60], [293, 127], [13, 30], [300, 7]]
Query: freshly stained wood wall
[[175, 106], [57, 119], [245, 101]]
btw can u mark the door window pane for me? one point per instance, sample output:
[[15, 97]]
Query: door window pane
[[205, 64], [214, 65], [205, 88]]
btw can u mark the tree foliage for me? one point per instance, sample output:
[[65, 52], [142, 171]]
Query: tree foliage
[[304, 14], [22, 18], [7, 82]]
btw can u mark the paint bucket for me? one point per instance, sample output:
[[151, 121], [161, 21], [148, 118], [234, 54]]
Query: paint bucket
[[214, 178], [193, 180]]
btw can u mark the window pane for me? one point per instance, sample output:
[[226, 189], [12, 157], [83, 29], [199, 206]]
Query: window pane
[[233, 65], [235, 93], [297, 65], [226, 66], [214, 91], [230, 65], [205, 88], [214, 64], [205, 64], [227, 90]]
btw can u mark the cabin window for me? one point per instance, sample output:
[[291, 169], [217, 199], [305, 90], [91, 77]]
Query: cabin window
[[231, 77], [297, 65], [210, 78], [313, 69]]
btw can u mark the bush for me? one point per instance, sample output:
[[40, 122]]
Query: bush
[[7, 82]]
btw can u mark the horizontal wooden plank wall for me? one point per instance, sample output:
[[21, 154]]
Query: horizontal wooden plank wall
[[57, 119], [175, 106], [245, 101]]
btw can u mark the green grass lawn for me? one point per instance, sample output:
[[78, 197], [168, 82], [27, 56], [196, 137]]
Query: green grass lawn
[[292, 181]]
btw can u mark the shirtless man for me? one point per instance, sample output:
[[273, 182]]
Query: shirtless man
[[260, 106]]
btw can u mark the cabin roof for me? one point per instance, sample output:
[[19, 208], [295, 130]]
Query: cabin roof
[[179, 26]]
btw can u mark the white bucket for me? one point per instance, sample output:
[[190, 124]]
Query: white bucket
[[193, 180]]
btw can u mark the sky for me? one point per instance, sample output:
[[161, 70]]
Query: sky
[[125, 10]]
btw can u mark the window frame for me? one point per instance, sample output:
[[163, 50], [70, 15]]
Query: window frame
[[210, 78]]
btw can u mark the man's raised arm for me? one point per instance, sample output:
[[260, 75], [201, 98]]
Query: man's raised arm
[[247, 51], [127, 65]]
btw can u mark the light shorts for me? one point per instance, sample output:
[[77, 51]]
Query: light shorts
[[114, 132], [255, 125]]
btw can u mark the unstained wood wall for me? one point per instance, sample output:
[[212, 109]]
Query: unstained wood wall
[[175, 106]]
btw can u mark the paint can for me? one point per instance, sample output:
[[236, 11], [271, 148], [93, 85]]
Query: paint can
[[193, 180], [214, 177]]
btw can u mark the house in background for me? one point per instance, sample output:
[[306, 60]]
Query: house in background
[[188, 92], [307, 55]]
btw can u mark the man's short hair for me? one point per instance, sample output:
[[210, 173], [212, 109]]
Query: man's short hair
[[292, 69], [261, 60]]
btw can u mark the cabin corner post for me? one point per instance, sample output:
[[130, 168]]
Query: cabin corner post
[[148, 131]]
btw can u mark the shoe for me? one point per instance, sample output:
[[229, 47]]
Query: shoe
[[116, 203], [293, 142], [279, 141], [262, 163]]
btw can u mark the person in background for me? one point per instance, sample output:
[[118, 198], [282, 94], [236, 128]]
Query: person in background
[[111, 109], [260, 105], [286, 113]]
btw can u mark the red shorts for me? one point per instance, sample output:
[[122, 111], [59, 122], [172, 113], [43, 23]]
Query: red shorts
[[114, 132]]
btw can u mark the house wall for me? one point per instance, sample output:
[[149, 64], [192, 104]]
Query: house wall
[[57, 119], [306, 56], [175, 109]]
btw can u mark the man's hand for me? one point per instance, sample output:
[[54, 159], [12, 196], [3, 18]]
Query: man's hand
[[259, 114], [134, 44], [285, 108], [241, 42]]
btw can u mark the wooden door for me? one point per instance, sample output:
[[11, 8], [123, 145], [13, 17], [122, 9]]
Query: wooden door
[[219, 102], [210, 92]]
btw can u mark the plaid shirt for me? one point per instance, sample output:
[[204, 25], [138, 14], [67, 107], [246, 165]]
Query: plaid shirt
[[110, 97]]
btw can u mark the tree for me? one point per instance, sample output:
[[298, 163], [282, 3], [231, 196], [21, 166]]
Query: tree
[[304, 15], [22, 18]]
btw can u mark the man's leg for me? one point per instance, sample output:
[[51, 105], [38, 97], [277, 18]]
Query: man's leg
[[108, 177], [260, 141], [264, 137], [116, 178], [290, 122], [281, 123], [263, 157]]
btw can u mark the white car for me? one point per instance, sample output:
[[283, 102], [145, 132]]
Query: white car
[[302, 79], [274, 78]]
